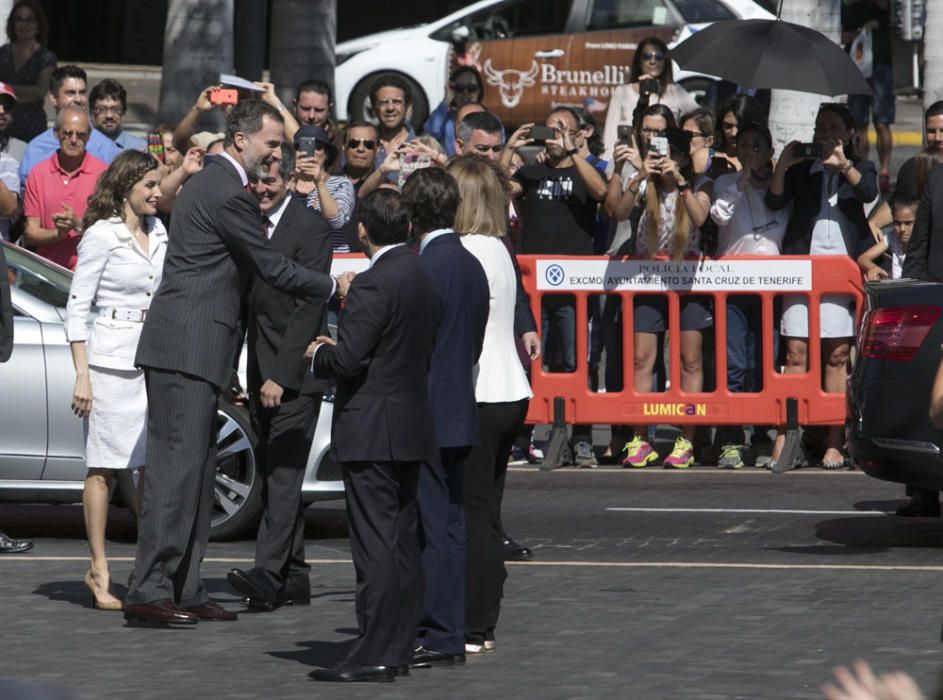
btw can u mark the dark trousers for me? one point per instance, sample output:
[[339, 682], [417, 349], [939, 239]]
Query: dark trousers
[[442, 541], [384, 542], [177, 506], [284, 440], [485, 471]]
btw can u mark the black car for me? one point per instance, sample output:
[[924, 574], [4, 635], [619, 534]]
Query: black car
[[888, 398]]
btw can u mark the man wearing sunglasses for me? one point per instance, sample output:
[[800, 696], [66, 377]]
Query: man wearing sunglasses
[[360, 152]]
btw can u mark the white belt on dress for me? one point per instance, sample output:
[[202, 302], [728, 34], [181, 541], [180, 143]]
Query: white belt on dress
[[134, 315]]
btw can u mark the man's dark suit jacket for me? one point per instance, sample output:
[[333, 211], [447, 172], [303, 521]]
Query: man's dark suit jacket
[[215, 247], [804, 190], [924, 259], [381, 362], [6, 312], [463, 290], [280, 326]]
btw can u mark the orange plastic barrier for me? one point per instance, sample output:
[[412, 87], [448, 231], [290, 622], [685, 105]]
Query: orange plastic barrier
[[719, 279]]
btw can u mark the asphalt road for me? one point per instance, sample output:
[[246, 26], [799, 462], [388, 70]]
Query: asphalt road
[[646, 584]]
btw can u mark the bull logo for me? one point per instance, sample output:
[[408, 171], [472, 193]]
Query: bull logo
[[511, 83]]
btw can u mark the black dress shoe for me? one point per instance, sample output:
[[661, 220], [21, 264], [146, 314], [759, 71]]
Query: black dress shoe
[[293, 595], [920, 507], [211, 611], [159, 612], [516, 552], [425, 658], [259, 596], [8, 545], [401, 670], [349, 672]]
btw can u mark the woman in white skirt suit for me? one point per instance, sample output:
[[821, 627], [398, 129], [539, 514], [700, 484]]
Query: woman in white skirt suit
[[121, 256]]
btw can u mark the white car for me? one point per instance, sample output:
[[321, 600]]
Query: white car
[[533, 54]]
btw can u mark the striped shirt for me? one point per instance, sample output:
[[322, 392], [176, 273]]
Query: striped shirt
[[342, 190]]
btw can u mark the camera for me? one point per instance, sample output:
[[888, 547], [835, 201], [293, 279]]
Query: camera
[[223, 96], [808, 150], [648, 86], [624, 133], [658, 146], [307, 144], [541, 134]]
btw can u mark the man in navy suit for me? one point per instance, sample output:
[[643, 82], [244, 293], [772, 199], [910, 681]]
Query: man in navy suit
[[433, 198]]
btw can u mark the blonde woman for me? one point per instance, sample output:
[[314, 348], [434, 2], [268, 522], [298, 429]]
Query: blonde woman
[[120, 258], [501, 391], [669, 225]]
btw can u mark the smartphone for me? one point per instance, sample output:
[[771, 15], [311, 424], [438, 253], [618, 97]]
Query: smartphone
[[658, 146], [224, 96], [155, 145], [306, 144], [808, 150], [410, 163], [649, 85], [624, 134], [541, 134]]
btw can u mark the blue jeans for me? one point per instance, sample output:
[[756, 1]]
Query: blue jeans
[[744, 355], [558, 325], [558, 330]]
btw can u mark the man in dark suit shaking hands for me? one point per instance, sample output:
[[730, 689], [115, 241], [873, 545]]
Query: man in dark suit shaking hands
[[285, 396], [187, 348], [462, 287], [383, 430]]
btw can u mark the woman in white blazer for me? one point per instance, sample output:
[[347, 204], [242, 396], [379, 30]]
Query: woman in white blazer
[[501, 390], [120, 259]]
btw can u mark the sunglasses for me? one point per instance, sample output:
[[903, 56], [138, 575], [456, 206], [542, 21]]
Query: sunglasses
[[461, 87], [695, 134], [367, 143], [653, 56]]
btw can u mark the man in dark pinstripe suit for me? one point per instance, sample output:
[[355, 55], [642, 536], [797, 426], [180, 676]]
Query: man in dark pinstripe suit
[[187, 350]]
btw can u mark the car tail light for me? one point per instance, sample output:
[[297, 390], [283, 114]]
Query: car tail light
[[897, 333]]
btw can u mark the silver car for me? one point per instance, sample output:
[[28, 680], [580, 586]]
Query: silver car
[[42, 447]]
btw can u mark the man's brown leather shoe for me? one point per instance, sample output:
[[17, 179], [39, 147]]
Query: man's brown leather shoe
[[158, 612], [212, 611]]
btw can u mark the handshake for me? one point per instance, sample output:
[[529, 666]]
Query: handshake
[[343, 281]]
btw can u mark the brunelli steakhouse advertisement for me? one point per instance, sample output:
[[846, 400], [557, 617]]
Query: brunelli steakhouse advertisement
[[525, 77]]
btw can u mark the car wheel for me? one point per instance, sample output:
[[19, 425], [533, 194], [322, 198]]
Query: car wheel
[[237, 498], [359, 108], [699, 89]]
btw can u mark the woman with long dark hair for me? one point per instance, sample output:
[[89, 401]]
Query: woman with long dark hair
[[651, 81], [26, 66], [501, 391], [120, 258], [828, 195], [464, 87], [732, 115], [670, 225]]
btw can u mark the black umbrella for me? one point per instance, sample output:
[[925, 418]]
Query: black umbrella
[[763, 53]]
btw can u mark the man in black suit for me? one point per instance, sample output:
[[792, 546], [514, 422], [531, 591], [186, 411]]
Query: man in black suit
[[285, 397], [8, 545], [383, 431], [187, 349], [924, 259], [462, 287]]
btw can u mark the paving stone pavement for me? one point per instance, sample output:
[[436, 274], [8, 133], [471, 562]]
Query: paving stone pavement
[[617, 603]]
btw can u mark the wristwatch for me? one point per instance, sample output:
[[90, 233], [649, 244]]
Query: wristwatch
[[573, 151]]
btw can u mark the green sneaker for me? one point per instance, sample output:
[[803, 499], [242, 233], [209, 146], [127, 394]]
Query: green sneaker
[[731, 457]]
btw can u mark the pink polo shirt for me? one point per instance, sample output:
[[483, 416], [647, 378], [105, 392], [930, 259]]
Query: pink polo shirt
[[48, 186]]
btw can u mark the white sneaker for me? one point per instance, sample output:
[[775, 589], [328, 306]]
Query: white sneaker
[[474, 648], [489, 645]]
